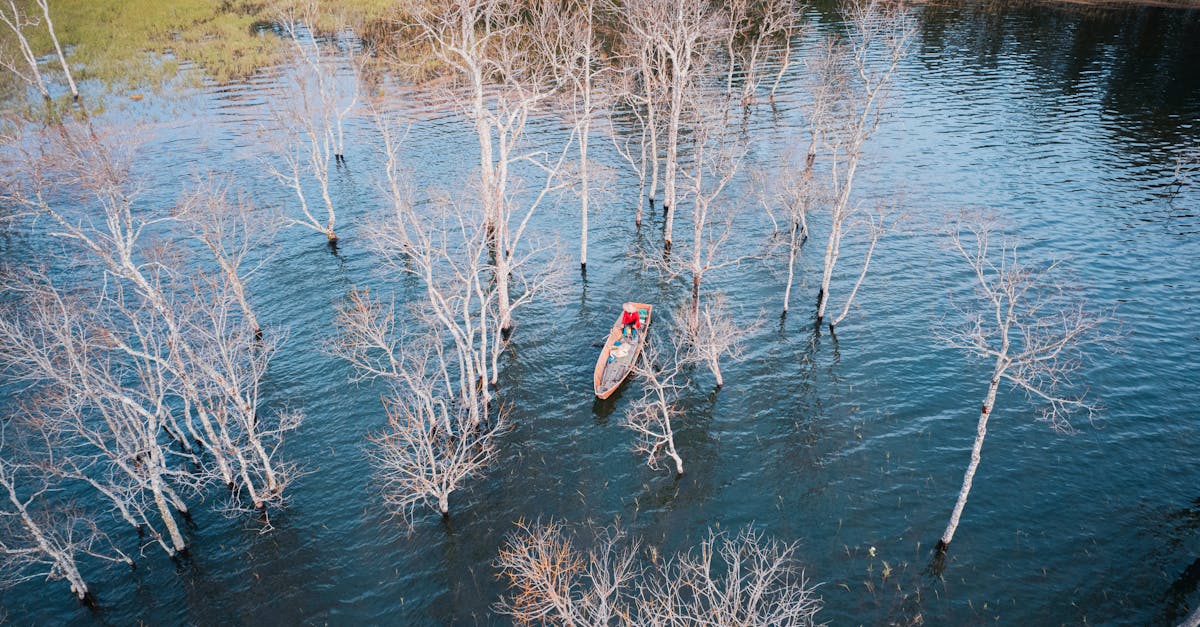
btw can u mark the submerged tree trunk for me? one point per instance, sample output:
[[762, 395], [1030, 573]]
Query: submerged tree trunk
[[831, 256], [672, 166], [793, 248], [164, 510], [583, 211], [652, 120], [976, 450], [62, 557]]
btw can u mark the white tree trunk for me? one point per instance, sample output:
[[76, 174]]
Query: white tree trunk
[[503, 302], [583, 171], [14, 23], [672, 165], [831, 255], [792, 249], [652, 120], [862, 275], [976, 450], [63, 560], [45, 4], [164, 510]]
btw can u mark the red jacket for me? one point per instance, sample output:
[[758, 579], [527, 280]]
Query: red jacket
[[631, 317]]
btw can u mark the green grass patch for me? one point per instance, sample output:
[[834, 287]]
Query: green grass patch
[[141, 43]]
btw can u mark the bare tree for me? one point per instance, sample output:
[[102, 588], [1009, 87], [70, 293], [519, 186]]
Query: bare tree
[[338, 97], [708, 330], [566, 38], [860, 71], [442, 424], [231, 231], [483, 43], [650, 417], [758, 30], [748, 579], [715, 161], [796, 188], [163, 307], [440, 431], [650, 96], [678, 38], [62, 59], [236, 356], [38, 538], [433, 443], [744, 580], [789, 28], [312, 117], [635, 148], [711, 333], [1035, 329], [554, 583], [107, 432], [799, 194], [27, 68], [447, 248]]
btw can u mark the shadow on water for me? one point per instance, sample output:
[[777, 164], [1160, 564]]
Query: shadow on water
[[1181, 590], [1182, 529], [603, 408]]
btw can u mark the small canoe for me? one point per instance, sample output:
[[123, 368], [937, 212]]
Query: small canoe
[[619, 355]]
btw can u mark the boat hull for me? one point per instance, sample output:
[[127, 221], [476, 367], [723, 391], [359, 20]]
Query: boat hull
[[618, 357]]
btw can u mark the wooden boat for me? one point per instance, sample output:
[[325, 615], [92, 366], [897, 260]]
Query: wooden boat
[[618, 357]]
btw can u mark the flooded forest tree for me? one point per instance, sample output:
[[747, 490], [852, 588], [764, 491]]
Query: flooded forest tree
[[311, 115], [139, 343], [744, 579], [859, 72], [758, 31], [26, 68], [41, 537], [638, 151], [440, 359], [565, 35], [484, 42], [676, 43], [1034, 329], [651, 416], [709, 329], [44, 5], [795, 187]]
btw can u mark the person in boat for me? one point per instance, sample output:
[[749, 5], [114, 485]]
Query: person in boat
[[631, 321]]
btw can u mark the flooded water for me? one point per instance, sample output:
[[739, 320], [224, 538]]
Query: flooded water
[[1065, 121]]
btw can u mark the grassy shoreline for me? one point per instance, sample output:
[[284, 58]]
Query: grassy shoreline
[[141, 44], [131, 43]]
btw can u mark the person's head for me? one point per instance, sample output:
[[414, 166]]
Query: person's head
[[629, 307]]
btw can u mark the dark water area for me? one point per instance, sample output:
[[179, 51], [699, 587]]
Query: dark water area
[[1065, 121]]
